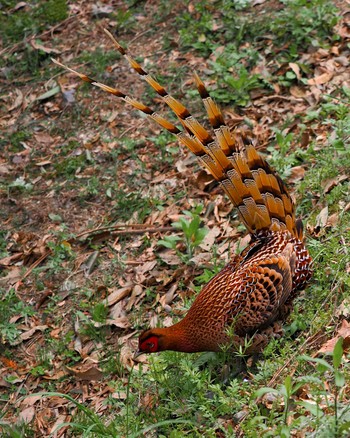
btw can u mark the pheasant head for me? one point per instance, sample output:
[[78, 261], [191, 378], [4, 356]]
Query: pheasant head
[[168, 338]]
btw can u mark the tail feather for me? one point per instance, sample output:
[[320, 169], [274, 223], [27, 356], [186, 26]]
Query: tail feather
[[261, 197]]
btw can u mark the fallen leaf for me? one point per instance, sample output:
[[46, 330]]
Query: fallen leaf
[[29, 333], [86, 372], [321, 219], [296, 174], [297, 91], [168, 297], [12, 277], [203, 179], [57, 430], [343, 332], [331, 183], [4, 169], [344, 309], [27, 415], [30, 400], [119, 294], [296, 69], [210, 238], [18, 100], [8, 261], [169, 257], [324, 78], [333, 220]]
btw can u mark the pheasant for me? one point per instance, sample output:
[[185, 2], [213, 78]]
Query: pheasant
[[242, 304]]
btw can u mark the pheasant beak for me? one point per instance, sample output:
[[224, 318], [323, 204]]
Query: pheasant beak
[[137, 354]]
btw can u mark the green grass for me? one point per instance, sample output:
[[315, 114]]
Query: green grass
[[246, 41]]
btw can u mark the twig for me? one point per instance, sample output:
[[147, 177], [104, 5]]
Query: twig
[[36, 263], [14, 47], [114, 231]]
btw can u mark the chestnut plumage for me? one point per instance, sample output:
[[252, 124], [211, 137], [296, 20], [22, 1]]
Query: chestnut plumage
[[241, 304]]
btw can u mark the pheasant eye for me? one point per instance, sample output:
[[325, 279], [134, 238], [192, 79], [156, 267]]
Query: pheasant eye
[[150, 344]]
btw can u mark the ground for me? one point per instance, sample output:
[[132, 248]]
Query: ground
[[90, 191]]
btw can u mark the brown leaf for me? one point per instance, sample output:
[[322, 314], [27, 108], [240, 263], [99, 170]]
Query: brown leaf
[[344, 309], [297, 173], [168, 297], [203, 179], [331, 183], [333, 220], [121, 322], [324, 78], [18, 100], [297, 91], [343, 332], [169, 257], [8, 261], [27, 415], [29, 333], [296, 69], [146, 267], [57, 430], [4, 169], [210, 238], [44, 138], [86, 372], [119, 294], [30, 400], [12, 277], [321, 219]]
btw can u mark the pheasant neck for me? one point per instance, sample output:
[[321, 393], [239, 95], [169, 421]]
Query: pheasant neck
[[177, 338]]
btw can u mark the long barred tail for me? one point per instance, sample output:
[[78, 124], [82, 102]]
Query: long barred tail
[[259, 194]]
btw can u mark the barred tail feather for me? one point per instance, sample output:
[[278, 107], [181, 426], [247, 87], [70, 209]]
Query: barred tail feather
[[261, 197]]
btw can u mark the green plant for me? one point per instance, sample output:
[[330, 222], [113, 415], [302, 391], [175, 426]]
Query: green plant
[[304, 22], [11, 305], [330, 415], [32, 19], [285, 156], [193, 233]]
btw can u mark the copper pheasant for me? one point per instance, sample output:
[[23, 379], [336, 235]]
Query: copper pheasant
[[240, 305]]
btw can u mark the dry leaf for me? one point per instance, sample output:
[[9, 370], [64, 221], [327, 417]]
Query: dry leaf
[[296, 69], [30, 400], [57, 430], [296, 174], [210, 238], [27, 415], [333, 220], [86, 372], [344, 309], [343, 332], [169, 257], [119, 294], [12, 277], [321, 219], [298, 92], [331, 183], [26, 335], [18, 100], [321, 79]]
